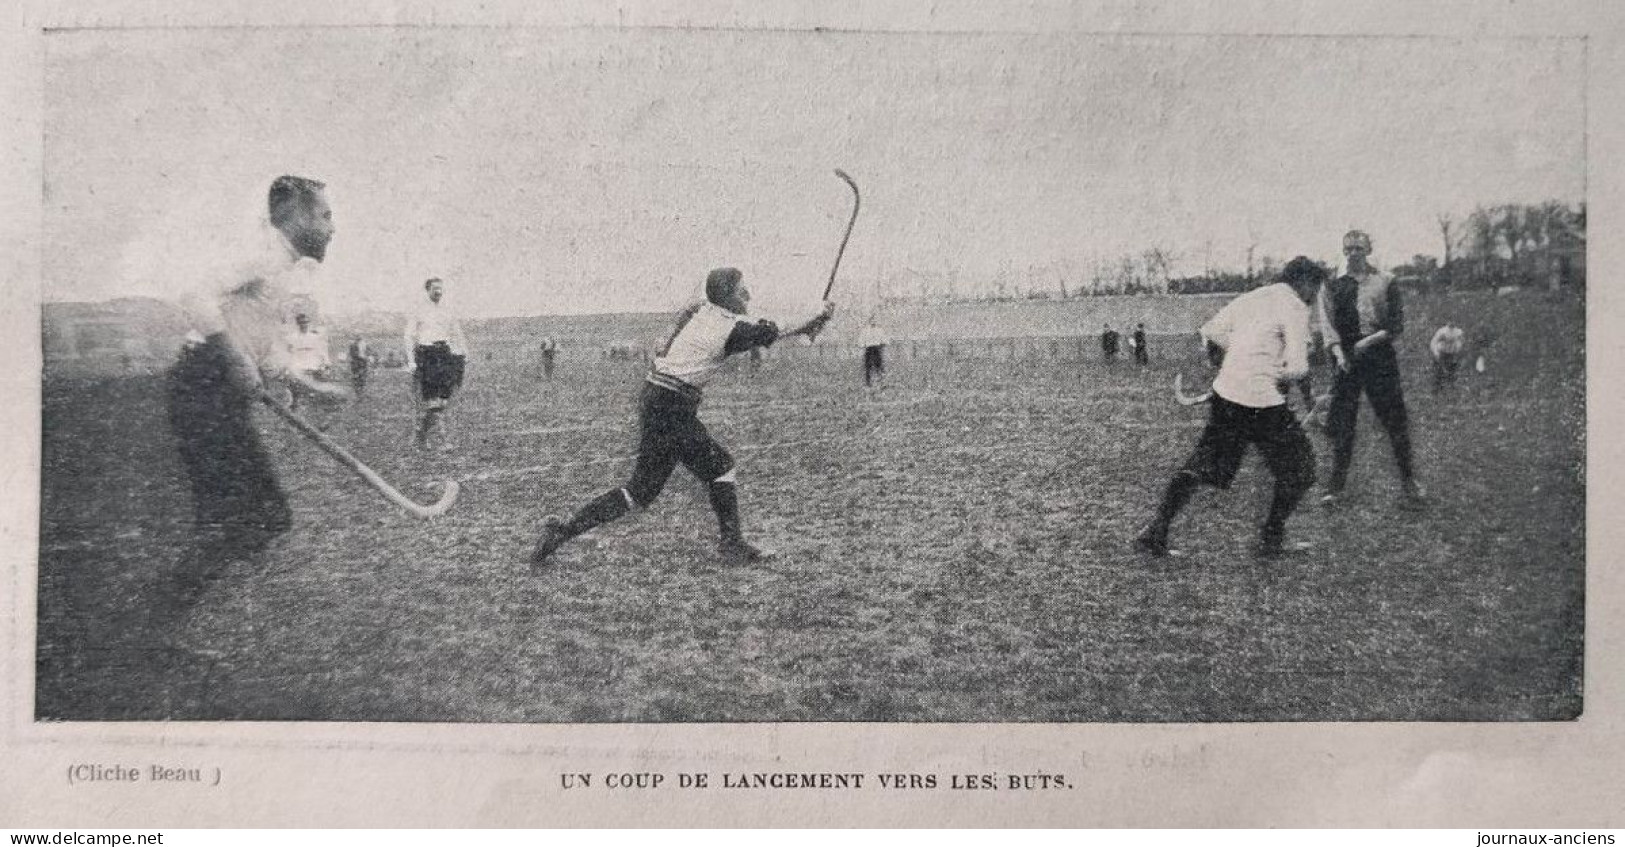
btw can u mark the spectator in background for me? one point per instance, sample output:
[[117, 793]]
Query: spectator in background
[[1142, 355], [360, 365], [874, 340], [1109, 343], [550, 350]]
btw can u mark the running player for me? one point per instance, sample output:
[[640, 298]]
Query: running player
[[705, 335], [1260, 341]]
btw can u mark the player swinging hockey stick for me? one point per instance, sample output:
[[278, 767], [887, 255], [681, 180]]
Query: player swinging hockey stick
[[1260, 341], [671, 432]]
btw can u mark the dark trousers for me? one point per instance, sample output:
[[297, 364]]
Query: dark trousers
[[1375, 374], [671, 434], [238, 504], [874, 364], [1445, 366], [1231, 429], [358, 377]]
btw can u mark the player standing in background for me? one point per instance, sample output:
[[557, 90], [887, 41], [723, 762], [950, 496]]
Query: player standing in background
[[1260, 341], [873, 339], [1142, 354], [1109, 343], [308, 356], [1447, 344], [550, 350], [360, 365], [437, 353], [1361, 315], [671, 431], [235, 345]]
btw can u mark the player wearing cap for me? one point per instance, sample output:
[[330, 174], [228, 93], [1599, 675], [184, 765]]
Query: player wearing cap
[[1361, 315], [706, 334], [1261, 342]]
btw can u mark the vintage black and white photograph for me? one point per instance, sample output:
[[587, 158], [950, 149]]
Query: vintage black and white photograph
[[675, 375]]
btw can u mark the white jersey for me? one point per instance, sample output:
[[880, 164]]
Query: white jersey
[[250, 300], [432, 323], [1448, 341], [1265, 337], [307, 351], [701, 343]]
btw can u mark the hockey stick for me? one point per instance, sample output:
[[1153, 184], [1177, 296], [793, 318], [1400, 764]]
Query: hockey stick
[[1189, 399], [448, 495], [857, 200]]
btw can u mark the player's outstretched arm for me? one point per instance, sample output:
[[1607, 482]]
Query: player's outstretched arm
[[816, 324]]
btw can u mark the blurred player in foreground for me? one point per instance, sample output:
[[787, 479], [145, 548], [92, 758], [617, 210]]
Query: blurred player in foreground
[[235, 346], [671, 431], [1261, 342]]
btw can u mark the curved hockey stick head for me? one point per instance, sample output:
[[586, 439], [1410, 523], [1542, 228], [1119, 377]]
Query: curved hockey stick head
[[1185, 399], [848, 178], [448, 497]]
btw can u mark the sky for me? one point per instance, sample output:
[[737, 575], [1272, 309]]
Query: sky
[[552, 171]]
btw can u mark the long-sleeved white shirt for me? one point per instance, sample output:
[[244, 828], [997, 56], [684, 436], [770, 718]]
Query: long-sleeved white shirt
[[1265, 337], [434, 322], [308, 350], [250, 300]]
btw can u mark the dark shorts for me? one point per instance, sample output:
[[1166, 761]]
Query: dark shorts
[[671, 433], [440, 372], [1231, 427]]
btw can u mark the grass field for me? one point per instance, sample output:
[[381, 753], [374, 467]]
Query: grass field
[[954, 548]]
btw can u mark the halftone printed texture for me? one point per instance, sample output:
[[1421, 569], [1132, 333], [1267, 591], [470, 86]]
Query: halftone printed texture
[[956, 547]]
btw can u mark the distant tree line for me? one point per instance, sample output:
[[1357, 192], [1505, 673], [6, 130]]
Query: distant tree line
[[1509, 244], [1540, 244]]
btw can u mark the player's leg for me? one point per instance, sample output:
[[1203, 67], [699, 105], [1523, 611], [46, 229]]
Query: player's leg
[[657, 458], [425, 378], [1214, 462], [710, 463], [1341, 420], [239, 505], [1388, 401], [1291, 461]]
